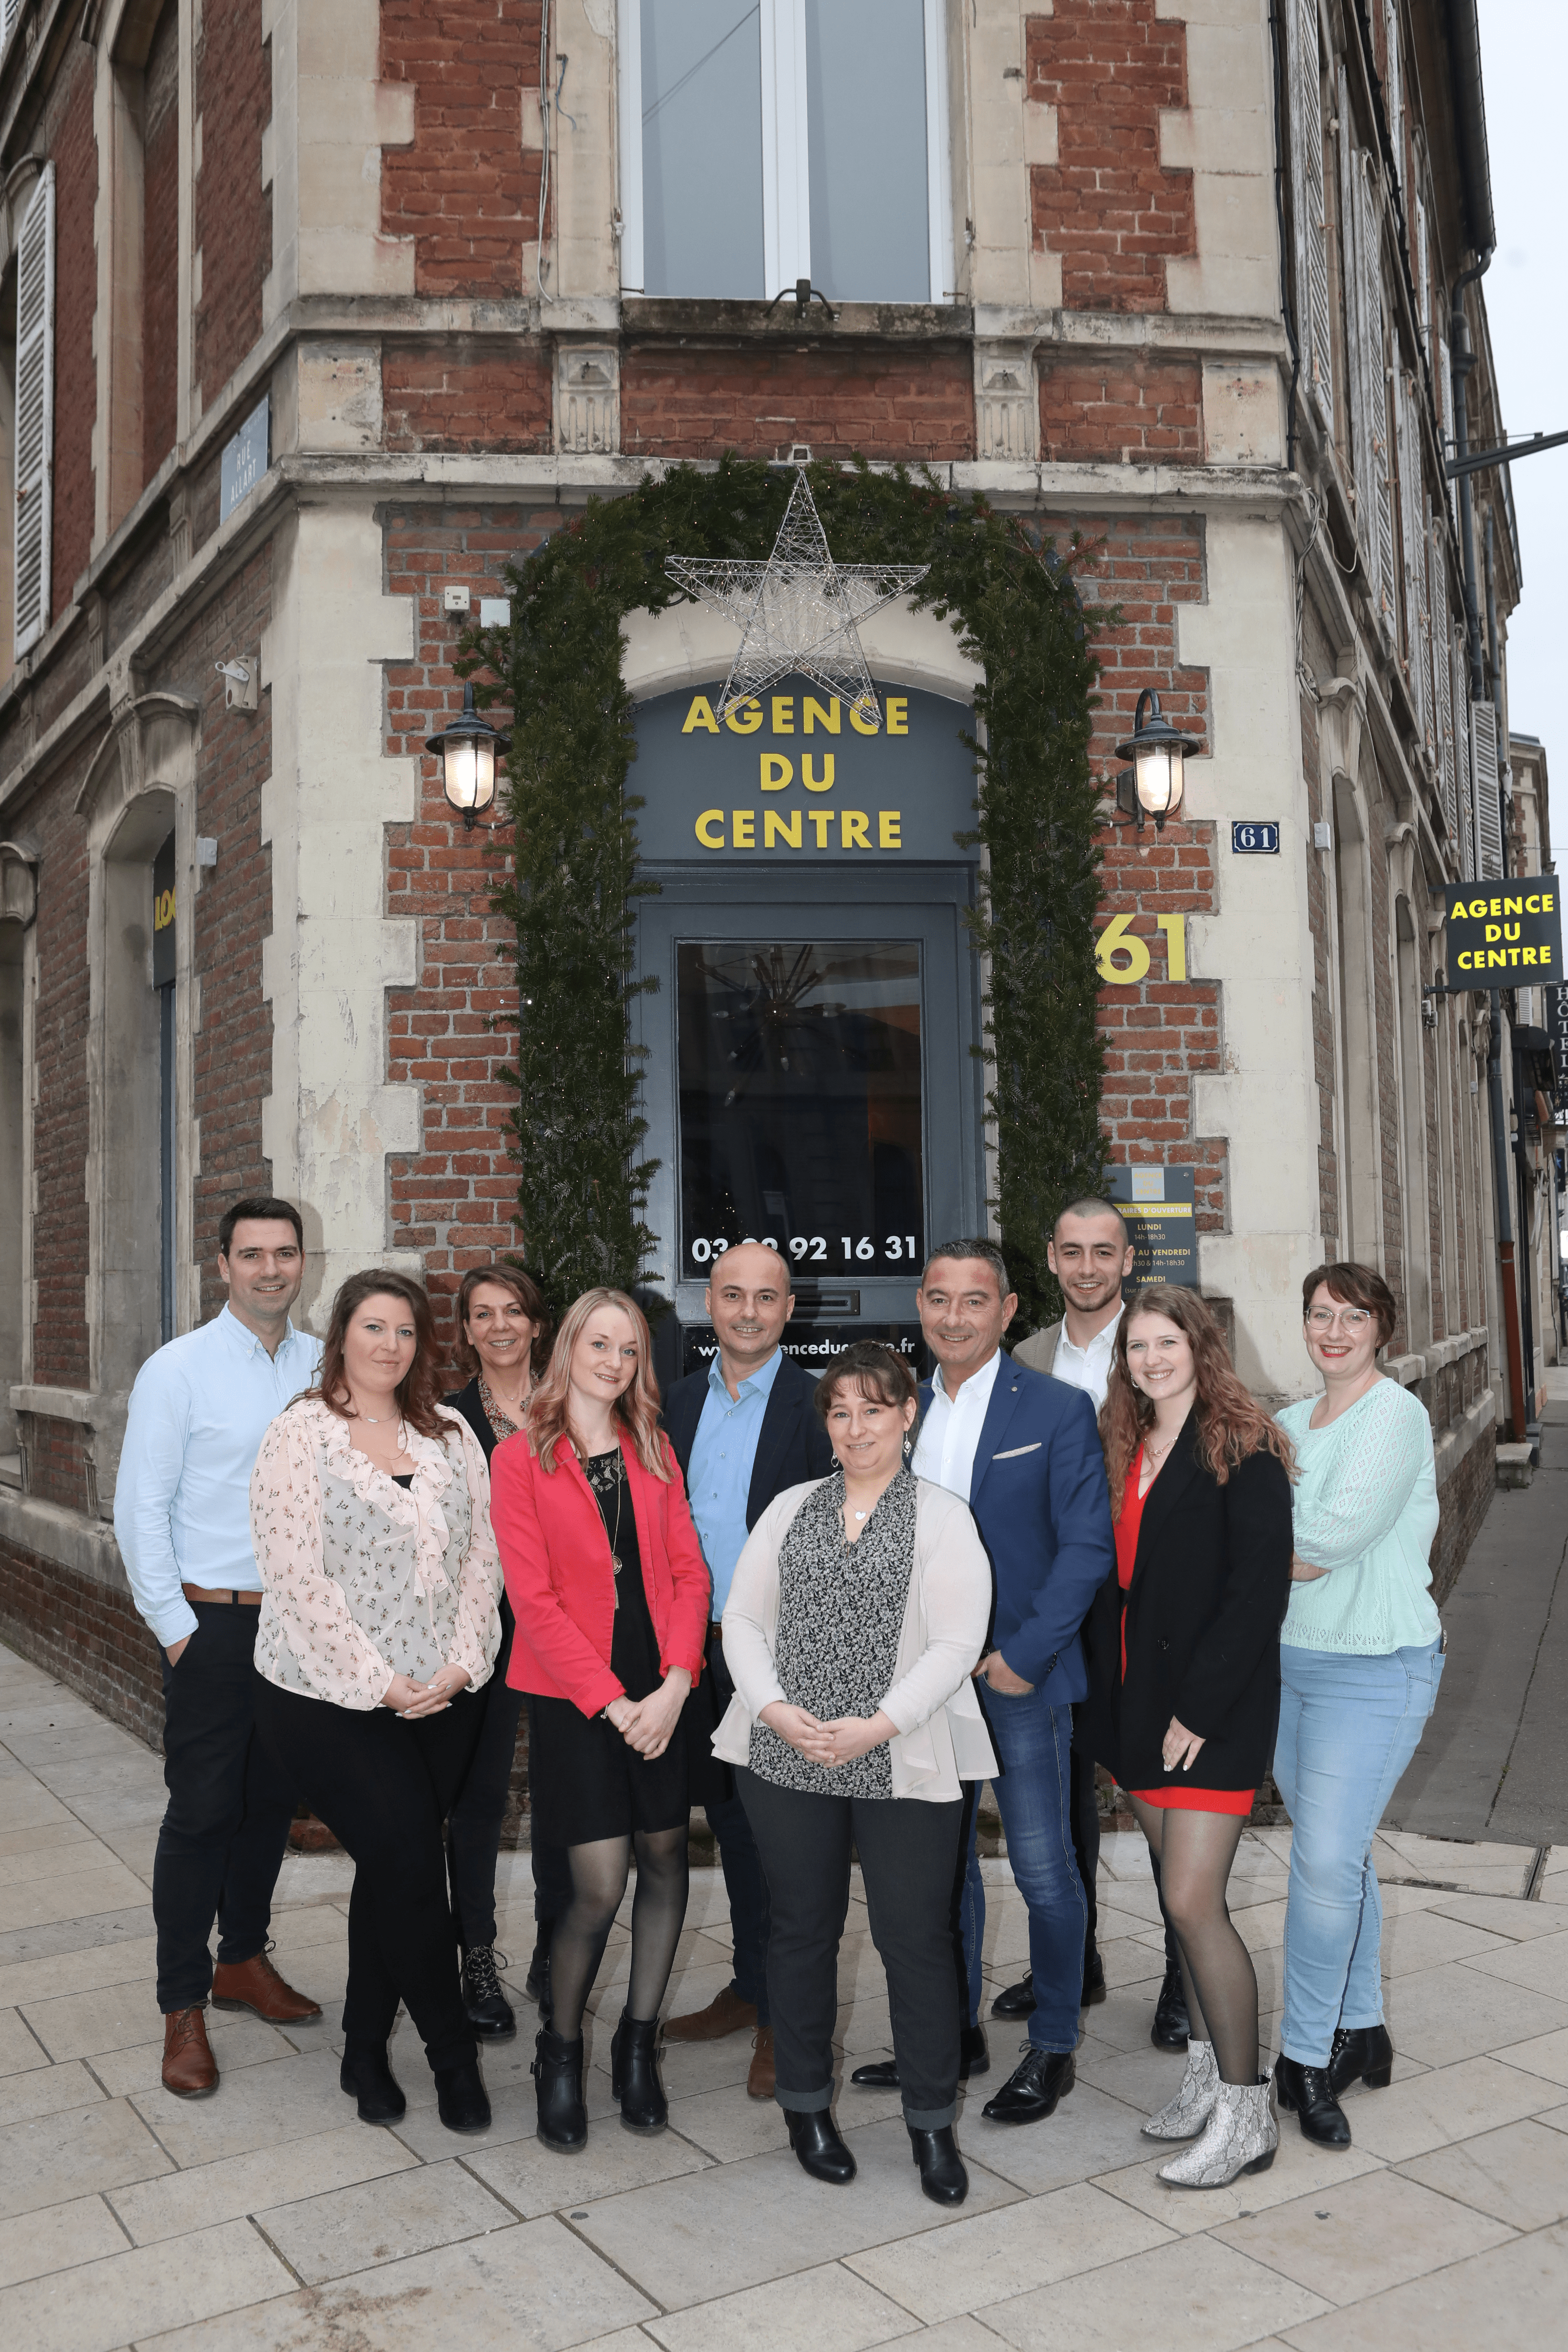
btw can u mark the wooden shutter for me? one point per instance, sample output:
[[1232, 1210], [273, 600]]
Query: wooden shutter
[[35, 410], [9, 12], [1465, 788], [1484, 785], [1423, 279], [1414, 563], [1442, 648], [1393, 86], [1351, 279], [1374, 373], [1314, 311], [1446, 401]]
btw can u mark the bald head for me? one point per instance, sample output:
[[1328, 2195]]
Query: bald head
[[747, 1301]]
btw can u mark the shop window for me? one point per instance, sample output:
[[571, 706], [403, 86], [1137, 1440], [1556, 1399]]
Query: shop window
[[788, 139]]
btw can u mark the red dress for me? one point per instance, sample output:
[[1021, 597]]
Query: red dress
[[1128, 1519]]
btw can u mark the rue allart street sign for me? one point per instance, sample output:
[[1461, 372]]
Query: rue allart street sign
[[1505, 934]]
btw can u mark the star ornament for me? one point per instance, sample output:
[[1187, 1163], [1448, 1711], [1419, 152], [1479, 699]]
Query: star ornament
[[798, 613]]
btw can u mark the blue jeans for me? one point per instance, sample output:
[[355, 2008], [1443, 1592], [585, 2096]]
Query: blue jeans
[[1034, 1794], [1348, 1727]]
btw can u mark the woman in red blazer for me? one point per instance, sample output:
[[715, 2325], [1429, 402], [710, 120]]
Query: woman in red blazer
[[610, 1591]]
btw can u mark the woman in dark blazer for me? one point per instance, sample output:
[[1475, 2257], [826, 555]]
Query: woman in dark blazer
[[1184, 1683]]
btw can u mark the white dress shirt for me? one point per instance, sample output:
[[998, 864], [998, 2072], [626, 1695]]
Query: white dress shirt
[[949, 1434], [1088, 1368]]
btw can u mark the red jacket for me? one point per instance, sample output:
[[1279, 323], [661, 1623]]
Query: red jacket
[[560, 1582]]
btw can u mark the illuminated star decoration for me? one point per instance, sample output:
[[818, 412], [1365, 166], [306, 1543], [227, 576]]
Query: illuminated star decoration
[[798, 613]]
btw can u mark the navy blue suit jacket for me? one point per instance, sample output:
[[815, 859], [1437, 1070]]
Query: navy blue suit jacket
[[1041, 1501]]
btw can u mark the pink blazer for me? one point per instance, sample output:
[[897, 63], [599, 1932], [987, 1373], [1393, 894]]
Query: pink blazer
[[556, 1559]]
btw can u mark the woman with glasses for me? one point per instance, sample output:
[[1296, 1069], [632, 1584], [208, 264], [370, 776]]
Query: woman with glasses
[[1361, 1657]]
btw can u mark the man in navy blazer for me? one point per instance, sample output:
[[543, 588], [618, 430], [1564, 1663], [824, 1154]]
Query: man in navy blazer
[[743, 1430]]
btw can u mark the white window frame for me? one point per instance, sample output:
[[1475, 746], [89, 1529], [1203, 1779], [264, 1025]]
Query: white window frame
[[787, 174]]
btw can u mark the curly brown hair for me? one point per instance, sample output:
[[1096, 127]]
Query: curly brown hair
[[419, 1395], [1230, 1422]]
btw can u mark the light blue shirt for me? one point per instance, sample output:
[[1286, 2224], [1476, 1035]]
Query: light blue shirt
[[182, 1502], [723, 1455]]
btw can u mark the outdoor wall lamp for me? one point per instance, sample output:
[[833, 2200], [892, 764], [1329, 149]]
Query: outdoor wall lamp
[[470, 749], [1155, 782]]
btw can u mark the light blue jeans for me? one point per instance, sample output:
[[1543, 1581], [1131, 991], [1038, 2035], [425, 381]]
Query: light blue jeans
[[1348, 1727]]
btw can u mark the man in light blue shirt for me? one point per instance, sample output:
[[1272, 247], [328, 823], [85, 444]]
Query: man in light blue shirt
[[182, 1514]]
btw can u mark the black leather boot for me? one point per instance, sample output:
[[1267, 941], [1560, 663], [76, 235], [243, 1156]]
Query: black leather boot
[[490, 2012], [974, 2058], [1016, 1999], [1362, 2053], [460, 2097], [365, 2076], [1093, 1980], [634, 2074], [536, 1983], [1307, 2091], [1172, 2027], [819, 2148], [942, 2176], [557, 2071]]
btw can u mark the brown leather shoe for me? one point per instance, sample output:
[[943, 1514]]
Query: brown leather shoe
[[189, 2069], [726, 2014], [256, 1985], [760, 2080]]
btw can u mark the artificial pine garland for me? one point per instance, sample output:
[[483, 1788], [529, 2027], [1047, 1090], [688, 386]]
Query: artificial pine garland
[[576, 1131]]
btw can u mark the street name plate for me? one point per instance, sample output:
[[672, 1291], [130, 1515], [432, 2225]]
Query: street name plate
[[244, 460]]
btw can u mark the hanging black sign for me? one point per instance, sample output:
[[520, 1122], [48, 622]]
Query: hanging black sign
[[1157, 1204], [1557, 1030], [1504, 934]]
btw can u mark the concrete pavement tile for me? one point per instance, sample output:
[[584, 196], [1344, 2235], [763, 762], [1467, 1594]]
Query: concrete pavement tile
[[1518, 2175], [1520, 1921], [45, 1838], [1143, 2079], [139, 2293], [1121, 2021], [1556, 2117], [690, 2069], [259, 2106], [136, 1847], [151, 2211], [988, 2258], [1544, 2053], [1454, 1859], [116, 2017], [827, 2306], [25, 1805], [19, 2050], [44, 1743], [1131, 1961], [130, 1924], [1448, 2104], [327, 2237], [1414, 1941], [1189, 2296], [235, 2042], [310, 1877], [958, 2336], [1089, 2133], [1261, 1926], [122, 1959], [514, 2113], [1448, 2013], [536, 2180], [1297, 2168], [1510, 2299], [728, 2125], [51, 2157], [56, 2239], [1541, 1965], [51, 1853], [46, 2091], [1364, 2237]]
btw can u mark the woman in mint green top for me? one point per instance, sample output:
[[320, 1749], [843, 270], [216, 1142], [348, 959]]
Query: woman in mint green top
[[1361, 1654]]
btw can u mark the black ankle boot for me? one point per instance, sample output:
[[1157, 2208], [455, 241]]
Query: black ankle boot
[[1170, 2029], [819, 2148], [536, 1984], [461, 2098], [942, 2176], [557, 2071], [1363, 2053], [365, 2076], [490, 2012], [1307, 2091], [634, 2074]]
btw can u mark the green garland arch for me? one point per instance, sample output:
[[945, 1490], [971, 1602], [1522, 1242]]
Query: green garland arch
[[576, 1131]]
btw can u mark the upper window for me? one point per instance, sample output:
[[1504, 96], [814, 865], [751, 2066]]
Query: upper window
[[787, 139]]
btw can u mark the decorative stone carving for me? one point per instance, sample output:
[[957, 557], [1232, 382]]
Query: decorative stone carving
[[1006, 403], [588, 399], [18, 882]]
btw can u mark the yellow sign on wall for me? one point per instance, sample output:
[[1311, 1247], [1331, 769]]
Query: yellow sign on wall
[[1118, 939]]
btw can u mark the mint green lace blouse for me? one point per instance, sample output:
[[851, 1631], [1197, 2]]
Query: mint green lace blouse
[[1364, 1507]]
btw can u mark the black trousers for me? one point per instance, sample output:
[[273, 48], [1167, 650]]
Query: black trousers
[[383, 1787], [474, 1823], [224, 1832], [745, 1880], [908, 1852], [1085, 1815]]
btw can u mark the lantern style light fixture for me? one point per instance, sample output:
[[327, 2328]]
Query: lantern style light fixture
[[470, 749], [1154, 783]]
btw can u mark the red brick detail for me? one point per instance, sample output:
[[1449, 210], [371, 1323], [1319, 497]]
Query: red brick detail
[[232, 210], [465, 396], [1107, 206], [467, 190], [59, 1456], [160, 241], [74, 150], [85, 1632], [60, 1226], [698, 404], [1134, 411]]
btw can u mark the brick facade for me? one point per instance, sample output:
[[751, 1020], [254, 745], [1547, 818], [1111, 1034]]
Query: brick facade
[[884, 402], [465, 394], [467, 190], [85, 1632], [160, 241], [1127, 411], [232, 210]]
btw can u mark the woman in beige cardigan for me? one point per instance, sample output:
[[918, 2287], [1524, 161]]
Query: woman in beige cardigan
[[857, 1614]]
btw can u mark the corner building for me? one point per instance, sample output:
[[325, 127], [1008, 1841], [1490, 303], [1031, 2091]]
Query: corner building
[[315, 315]]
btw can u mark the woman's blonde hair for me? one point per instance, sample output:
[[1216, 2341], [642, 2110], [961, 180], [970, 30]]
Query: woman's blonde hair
[[546, 1416]]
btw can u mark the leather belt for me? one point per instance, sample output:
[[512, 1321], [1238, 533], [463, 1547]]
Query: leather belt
[[237, 1600]]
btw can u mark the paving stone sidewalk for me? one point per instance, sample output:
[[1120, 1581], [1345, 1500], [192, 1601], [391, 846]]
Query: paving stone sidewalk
[[267, 2218]]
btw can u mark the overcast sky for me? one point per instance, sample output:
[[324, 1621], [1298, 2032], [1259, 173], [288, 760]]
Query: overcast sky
[[1524, 65]]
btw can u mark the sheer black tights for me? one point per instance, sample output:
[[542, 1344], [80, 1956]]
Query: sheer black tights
[[1194, 1851], [599, 1873]]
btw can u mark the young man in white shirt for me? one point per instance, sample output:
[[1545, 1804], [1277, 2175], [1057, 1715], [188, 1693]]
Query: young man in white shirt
[[198, 1411]]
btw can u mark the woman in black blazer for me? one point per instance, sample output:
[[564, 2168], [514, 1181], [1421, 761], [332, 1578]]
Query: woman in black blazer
[[1184, 1683]]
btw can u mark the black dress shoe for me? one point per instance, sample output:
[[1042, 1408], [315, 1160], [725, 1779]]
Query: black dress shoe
[[490, 2011], [1093, 1980], [1307, 2091], [1362, 2053], [974, 2058], [1172, 2026], [1032, 2090], [461, 2099], [365, 2076], [942, 2176], [819, 2148], [634, 2074], [557, 2071], [1017, 1999]]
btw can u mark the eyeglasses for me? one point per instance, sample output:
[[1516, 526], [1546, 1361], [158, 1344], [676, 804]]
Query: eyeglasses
[[1349, 1318]]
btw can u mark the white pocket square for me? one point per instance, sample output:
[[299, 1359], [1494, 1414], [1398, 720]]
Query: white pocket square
[[1014, 1451]]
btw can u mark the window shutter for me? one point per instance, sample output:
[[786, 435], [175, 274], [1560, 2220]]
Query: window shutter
[[9, 12], [1392, 88], [1484, 785], [1315, 319], [1443, 675], [1375, 396], [1464, 792], [1446, 399], [1355, 373], [1423, 278], [1414, 563], [35, 410]]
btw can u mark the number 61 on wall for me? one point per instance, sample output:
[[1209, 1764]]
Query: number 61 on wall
[[1119, 939]]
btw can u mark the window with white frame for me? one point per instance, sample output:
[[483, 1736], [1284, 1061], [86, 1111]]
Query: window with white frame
[[767, 141]]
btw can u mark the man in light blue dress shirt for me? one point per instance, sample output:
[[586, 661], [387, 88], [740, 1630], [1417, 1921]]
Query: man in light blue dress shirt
[[182, 1514]]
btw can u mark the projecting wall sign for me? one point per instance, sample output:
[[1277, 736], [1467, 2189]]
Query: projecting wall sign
[[1504, 934], [1157, 1204]]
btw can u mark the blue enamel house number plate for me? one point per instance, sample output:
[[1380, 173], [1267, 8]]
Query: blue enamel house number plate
[[1255, 840]]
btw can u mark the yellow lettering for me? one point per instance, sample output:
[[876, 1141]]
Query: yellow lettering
[[863, 726], [1464, 960], [777, 827], [1547, 902], [812, 783], [1494, 932], [1119, 938], [742, 822], [814, 715], [821, 819], [1529, 955], [777, 772], [898, 714], [705, 823], [745, 718], [700, 715], [1513, 906], [887, 824], [783, 714], [1175, 930], [854, 829], [1533, 906], [1495, 908], [1511, 931]]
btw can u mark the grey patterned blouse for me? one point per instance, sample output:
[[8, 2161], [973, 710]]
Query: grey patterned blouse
[[841, 1608]]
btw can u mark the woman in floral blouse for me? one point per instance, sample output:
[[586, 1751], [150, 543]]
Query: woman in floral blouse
[[370, 1515]]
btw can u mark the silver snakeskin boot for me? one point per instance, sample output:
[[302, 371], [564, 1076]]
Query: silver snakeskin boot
[[1190, 2108], [1242, 2137]]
